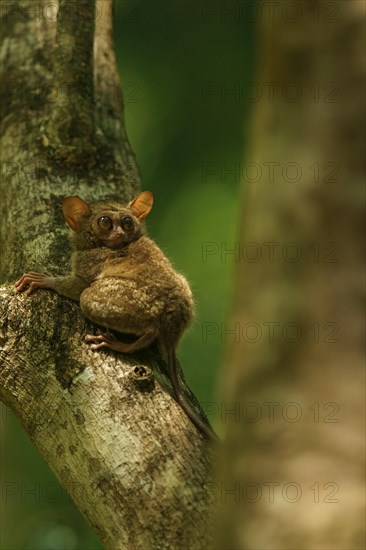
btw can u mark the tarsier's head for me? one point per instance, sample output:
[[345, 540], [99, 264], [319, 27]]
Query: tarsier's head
[[107, 223]]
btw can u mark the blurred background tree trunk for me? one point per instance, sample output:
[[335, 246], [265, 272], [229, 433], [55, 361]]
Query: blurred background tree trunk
[[294, 376]]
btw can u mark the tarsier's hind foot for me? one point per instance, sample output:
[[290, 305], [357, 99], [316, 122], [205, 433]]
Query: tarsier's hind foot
[[109, 341]]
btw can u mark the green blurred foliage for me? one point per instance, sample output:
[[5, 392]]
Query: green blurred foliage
[[177, 61], [169, 54]]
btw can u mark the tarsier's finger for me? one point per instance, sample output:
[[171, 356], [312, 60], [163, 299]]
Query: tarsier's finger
[[19, 285], [28, 278], [93, 337], [98, 338], [21, 280], [95, 347], [33, 285]]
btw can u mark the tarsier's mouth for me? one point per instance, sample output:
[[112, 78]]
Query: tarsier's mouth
[[115, 241]]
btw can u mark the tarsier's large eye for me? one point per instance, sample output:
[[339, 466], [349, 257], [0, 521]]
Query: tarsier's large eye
[[127, 223], [105, 223]]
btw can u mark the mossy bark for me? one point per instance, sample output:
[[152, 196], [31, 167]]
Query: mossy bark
[[107, 424]]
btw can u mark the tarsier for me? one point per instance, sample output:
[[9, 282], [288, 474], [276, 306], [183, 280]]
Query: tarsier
[[124, 283]]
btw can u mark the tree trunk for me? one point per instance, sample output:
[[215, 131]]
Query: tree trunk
[[294, 376], [107, 424]]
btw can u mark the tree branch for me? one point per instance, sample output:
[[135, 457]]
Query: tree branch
[[72, 120], [111, 432]]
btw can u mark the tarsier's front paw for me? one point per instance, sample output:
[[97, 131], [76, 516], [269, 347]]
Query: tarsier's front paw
[[98, 341], [34, 281]]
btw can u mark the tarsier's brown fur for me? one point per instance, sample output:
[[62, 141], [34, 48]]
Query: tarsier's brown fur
[[124, 282]]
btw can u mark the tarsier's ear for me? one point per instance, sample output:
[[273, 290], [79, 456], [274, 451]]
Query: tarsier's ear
[[75, 210], [141, 205]]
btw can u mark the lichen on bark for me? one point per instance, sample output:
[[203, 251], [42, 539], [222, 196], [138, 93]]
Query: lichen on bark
[[126, 456]]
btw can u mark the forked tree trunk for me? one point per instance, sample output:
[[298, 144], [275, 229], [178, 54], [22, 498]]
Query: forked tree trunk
[[107, 424], [295, 377]]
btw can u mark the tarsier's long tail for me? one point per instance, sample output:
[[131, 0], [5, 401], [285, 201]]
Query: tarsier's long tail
[[180, 397]]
